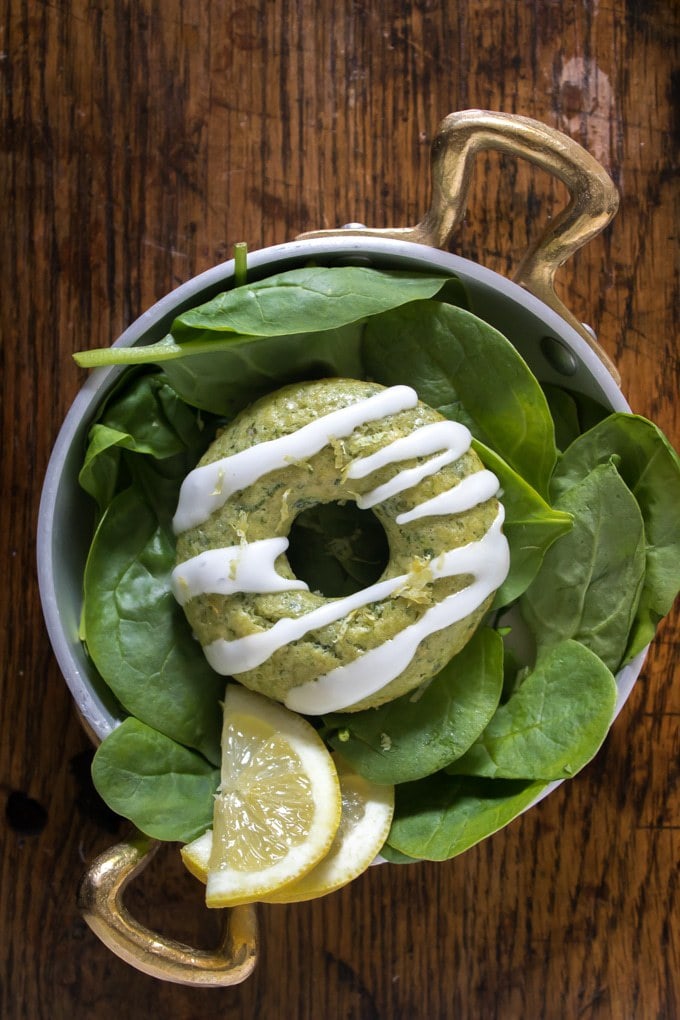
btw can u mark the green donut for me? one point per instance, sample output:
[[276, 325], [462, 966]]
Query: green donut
[[265, 507]]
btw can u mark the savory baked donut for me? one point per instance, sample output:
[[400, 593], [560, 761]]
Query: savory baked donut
[[328, 441]]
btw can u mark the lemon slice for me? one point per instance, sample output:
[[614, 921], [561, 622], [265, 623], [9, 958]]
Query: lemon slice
[[366, 818], [278, 806], [367, 811]]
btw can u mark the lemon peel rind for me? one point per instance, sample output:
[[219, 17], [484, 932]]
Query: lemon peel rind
[[196, 856]]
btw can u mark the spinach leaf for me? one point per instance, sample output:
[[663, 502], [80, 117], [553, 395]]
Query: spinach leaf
[[100, 473], [239, 373], [396, 857], [160, 422], [552, 725], [147, 417], [312, 299], [589, 584], [572, 412], [225, 379], [165, 789], [564, 414], [302, 300], [531, 525], [136, 633], [440, 817], [414, 736], [471, 373], [650, 467]]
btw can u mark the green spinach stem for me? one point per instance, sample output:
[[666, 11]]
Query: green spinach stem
[[240, 263]]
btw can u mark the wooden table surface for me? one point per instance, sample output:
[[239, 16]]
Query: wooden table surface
[[140, 141]]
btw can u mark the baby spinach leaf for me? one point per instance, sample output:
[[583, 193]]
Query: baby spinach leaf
[[572, 412], [552, 725], [146, 417], [564, 415], [650, 467], [470, 372], [159, 420], [531, 525], [302, 300], [440, 817], [312, 299], [414, 736], [225, 379], [589, 584], [100, 471], [165, 789], [395, 856], [136, 633]]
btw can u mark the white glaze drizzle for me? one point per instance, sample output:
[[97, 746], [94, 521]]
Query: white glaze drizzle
[[406, 479], [207, 488], [449, 437], [469, 492], [487, 560], [248, 567], [438, 435]]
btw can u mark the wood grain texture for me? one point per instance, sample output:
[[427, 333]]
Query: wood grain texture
[[140, 141]]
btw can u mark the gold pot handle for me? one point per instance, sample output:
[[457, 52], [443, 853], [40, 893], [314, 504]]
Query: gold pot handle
[[593, 197], [100, 901]]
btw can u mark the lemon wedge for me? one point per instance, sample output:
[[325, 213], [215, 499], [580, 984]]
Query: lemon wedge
[[365, 821], [278, 806]]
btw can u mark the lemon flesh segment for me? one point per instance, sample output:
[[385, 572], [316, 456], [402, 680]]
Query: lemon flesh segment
[[278, 806], [367, 811]]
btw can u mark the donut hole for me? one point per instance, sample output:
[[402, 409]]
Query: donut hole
[[337, 549]]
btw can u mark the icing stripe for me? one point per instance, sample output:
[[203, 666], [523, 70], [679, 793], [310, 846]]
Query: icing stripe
[[248, 567], [449, 440], [406, 479], [468, 493], [432, 438], [207, 488]]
